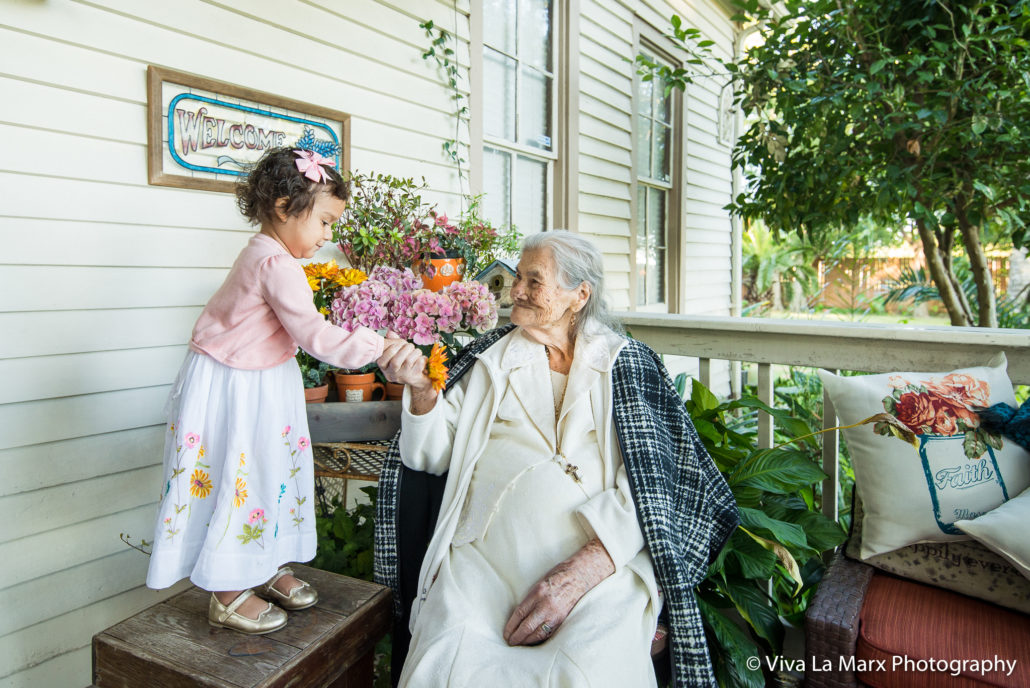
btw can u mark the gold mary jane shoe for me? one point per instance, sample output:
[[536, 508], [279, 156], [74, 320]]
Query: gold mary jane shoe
[[221, 616], [301, 596]]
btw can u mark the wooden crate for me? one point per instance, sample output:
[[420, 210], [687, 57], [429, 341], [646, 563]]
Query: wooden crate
[[171, 644]]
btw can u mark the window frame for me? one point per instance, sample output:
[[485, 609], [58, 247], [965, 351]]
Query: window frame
[[561, 185], [648, 39]]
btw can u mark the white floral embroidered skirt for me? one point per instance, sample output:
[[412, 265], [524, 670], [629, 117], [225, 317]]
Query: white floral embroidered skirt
[[237, 498]]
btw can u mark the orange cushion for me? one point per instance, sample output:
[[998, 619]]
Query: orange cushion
[[913, 635]]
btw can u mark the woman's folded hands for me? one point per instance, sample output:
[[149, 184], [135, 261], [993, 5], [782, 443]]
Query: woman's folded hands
[[552, 598]]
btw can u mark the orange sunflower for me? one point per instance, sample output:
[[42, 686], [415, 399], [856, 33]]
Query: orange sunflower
[[317, 272], [436, 369], [200, 484], [241, 493]]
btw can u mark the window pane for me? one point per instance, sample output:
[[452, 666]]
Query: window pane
[[656, 217], [655, 275], [498, 95], [662, 150], [641, 275], [499, 24], [535, 109], [644, 146], [497, 186], [530, 206], [662, 102], [535, 33], [644, 96]]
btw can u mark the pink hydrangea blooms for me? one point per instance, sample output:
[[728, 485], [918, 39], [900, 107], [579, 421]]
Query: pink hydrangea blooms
[[395, 300]]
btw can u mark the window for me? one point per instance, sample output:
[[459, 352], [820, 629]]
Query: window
[[654, 144], [518, 112]]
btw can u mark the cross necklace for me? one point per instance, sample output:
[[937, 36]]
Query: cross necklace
[[571, 470]]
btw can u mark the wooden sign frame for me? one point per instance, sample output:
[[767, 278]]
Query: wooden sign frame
[[242, 137]]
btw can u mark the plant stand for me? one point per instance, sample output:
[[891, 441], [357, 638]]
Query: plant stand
[[349, 442]]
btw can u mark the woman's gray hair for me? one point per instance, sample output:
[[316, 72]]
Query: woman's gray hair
[[577, 261]]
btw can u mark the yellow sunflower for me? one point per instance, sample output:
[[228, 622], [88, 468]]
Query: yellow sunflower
[[436, 368], [349, 277], [241, 493], [200, 484]]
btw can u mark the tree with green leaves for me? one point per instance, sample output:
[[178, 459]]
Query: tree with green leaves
[[904, 110], [907, 112]]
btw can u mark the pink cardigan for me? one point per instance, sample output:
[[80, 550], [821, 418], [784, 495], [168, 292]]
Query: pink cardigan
[[263, 311]]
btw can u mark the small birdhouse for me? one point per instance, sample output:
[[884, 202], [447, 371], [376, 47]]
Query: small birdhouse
[[498, 277]]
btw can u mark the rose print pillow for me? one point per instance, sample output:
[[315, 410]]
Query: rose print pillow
[[921, 459]]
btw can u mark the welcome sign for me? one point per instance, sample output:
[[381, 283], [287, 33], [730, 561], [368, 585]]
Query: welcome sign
[[205, 134]]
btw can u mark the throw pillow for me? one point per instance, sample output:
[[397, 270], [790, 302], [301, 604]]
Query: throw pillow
[[1004, 531], [921, 459], [965, 566]]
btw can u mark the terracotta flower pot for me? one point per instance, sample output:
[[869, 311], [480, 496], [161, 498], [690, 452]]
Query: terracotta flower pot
[[316, 395], [447, 270], [394, 391], [359, 387]]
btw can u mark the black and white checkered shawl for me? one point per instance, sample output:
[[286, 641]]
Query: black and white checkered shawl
[[685, 507]]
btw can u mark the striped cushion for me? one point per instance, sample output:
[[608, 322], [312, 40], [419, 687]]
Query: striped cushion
[[903, 625]]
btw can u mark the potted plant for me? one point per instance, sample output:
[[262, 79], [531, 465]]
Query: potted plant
[[359, 384], [314, 373], [463, 247], [385, 222]]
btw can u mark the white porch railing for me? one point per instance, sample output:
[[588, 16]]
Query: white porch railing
[[833, 346]]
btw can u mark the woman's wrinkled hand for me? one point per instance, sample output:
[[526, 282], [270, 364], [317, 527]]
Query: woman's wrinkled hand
[[551, 600], [401, 362]]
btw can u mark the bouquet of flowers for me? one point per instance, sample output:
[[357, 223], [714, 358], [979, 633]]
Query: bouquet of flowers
[[325, 279], [394, 299]]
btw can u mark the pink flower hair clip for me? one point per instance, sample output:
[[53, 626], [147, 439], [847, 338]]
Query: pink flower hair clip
[[310, 164]]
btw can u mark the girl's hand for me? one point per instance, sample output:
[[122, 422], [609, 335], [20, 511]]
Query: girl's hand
[[551, 600]]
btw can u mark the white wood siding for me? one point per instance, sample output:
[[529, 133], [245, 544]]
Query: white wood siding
[[607, 152], [607, 149], [102, 276]]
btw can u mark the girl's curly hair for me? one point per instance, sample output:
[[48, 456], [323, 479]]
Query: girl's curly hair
[[276, 176]]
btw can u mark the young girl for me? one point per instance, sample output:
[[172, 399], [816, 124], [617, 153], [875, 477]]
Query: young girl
[[238, 490]]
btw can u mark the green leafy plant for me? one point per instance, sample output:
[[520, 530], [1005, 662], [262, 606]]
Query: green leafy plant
[[345, 539], [383, 223], [768, 570], [915, 285], [774, 269], [313, 371]]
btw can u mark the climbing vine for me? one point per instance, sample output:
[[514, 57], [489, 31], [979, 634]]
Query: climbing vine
[[446, 61]]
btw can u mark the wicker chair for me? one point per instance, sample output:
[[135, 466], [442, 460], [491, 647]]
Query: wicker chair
[[831, 622]]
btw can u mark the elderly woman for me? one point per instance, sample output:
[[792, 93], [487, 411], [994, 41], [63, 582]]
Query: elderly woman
[[575, 498]]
